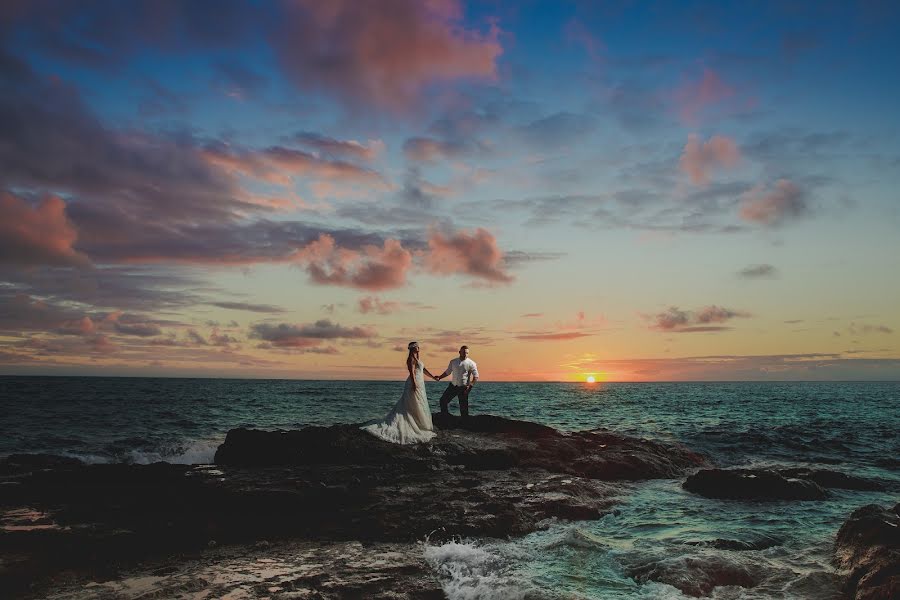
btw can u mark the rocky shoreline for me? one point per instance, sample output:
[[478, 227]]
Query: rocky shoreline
[[314, 508], [774, 484], [868, 547]]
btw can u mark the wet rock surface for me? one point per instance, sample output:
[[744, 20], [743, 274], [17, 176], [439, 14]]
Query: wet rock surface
[[310, 570], [773, 484], [834, 479], [868, 546], [485, 477], [482, 442], [697, 576]]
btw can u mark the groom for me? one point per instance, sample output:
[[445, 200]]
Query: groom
[[464, 374]]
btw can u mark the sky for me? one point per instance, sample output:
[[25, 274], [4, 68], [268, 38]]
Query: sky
[[623, 190]]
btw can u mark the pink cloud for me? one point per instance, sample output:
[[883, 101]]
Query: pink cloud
[[695, 97], [475, 254], [82, 326], [274, 203], [672, 318], [65, 347], [333, 147], [383, 53], [243, 163], [370, 268], [298, 162], [774, 206], [372, 304], [700, 158], [717, 314], [278, 164], [337, 257], [102, 344], [685, 321], [37, 235], [424, 149], [217, 338]]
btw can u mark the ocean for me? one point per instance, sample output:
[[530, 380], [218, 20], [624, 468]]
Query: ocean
[[847, 427]]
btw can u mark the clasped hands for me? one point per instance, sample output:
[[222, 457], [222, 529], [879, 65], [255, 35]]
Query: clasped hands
[[441, 376]]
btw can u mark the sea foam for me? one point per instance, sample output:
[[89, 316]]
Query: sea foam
[[472, 572], [192, 452]]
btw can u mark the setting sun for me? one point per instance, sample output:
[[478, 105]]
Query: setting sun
[[590, 379]]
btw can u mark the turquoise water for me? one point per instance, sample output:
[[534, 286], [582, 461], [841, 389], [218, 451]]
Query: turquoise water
[[660, 528], [658, 534]]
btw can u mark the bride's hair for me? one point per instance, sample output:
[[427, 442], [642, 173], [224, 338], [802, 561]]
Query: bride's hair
[[413, 346]]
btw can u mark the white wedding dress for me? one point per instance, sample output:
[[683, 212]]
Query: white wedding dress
[[410, 420]]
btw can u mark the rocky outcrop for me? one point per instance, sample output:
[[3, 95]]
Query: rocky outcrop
[[774, 484], [833, 479], [485, 477], [755, 484], [868, 546], [290, 569], [697, 576], [17, 463], [481, 442]]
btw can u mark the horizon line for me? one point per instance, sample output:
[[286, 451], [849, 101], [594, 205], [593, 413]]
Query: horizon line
[[481, 382]]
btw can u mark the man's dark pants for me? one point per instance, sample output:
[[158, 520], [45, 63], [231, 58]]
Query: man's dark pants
[[456, 391]]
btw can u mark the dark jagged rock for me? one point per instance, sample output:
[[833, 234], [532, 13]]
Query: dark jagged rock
[[16, 463], [335, 445], [479, 442], [833, 479], [774, 484], [868, 546], [747, 484], [289, 569], [696, 576], [492, 424], [485, 477]]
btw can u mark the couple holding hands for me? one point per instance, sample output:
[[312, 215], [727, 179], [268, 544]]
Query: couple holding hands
[[409, 422]]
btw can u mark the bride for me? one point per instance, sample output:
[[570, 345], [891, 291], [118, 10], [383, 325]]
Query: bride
[[410, 420]]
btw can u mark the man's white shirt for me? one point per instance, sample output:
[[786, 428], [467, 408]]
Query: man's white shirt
[[461, 371]]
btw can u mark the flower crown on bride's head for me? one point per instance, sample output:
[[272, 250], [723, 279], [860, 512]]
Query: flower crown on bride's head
[[413, 346]]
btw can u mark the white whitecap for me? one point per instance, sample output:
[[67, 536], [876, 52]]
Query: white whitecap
[[472, 572]]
